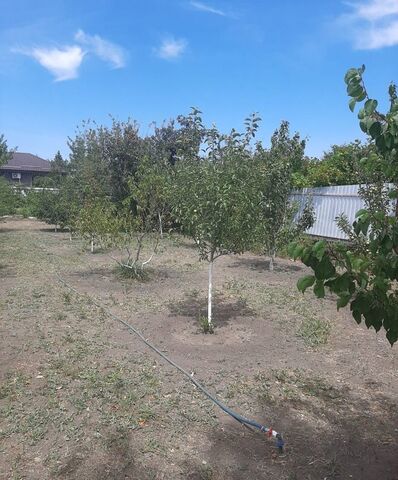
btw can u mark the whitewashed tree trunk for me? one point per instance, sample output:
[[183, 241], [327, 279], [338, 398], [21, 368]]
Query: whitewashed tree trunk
[[160, 225], [92, 244], [209, 304]]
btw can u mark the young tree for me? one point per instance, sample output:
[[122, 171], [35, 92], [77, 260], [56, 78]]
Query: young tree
[[5, 153], [59, 168], [364, 274], [51, 207], [278, 220], [210, 196], [94, 222], [139, 222]]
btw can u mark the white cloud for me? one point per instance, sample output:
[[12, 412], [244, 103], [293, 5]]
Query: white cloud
[[62, 62], [372, 24], [376, 9], [171, 49], [104, 49], [207, 8], [378, 37]]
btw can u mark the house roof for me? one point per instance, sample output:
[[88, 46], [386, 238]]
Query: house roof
[[27, 162]]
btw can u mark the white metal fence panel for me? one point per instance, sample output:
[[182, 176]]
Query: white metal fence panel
[[329, 203]]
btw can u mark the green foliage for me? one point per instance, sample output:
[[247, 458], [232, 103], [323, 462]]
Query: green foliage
[[149, 194], [273, 171], [211, 195], [205, 326], [57, 207], [341, 165], [59, 168], [44, 182], [8, 199], [5, 153], [364, 275], [95, 221]]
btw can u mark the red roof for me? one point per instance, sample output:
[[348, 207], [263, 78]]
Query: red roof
[[27, 162]]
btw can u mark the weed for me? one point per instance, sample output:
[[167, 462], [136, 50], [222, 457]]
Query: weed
[[151, 446], [67, 297], [206, 472], [314, 331], [146, 413], [204, 324]]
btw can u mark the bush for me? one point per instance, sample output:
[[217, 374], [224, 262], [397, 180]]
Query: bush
[[8, 198]]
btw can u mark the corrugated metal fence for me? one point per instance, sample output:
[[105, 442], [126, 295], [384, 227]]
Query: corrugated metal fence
[[329, 203]]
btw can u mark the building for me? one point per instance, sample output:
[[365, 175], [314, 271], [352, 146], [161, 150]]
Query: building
[[22, 168]]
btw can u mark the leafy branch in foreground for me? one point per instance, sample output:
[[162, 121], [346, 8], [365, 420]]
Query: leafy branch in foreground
[[364, 273]]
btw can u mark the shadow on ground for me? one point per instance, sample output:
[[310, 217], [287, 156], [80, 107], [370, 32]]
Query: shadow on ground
[[263, 265], [354, 438], [224, 310]]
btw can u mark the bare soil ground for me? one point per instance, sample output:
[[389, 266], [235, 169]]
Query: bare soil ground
[[81, 398]]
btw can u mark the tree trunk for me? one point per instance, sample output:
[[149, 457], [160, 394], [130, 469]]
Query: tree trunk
[[160, 225], [209, 304], [92, 244], [271, 261]]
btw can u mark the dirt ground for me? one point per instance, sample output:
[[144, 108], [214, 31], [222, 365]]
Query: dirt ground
[[81, 398]]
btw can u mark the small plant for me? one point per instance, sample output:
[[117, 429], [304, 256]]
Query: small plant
[[205, 326], [206, 472], [67, 298]]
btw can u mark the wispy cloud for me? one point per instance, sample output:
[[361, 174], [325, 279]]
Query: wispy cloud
[[171, 49], [207, 8], [372, 24], [104, 49], [376, 9], [63, 62]]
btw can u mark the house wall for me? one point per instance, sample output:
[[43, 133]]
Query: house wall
[[26, 177]]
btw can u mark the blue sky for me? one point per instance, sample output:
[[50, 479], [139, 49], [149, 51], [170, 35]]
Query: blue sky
[[62, 62]]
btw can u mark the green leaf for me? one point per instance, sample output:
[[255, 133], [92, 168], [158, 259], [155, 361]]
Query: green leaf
[[343, 300], [319, 249], [361, 96], [354, 90], [298, 251], [319, 289], [352, 104], [357, 316], [305, 283], [363, 126], [370, 106], [375, 129], [351, 73], [361, 212], [325, 269], [392, 336]]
